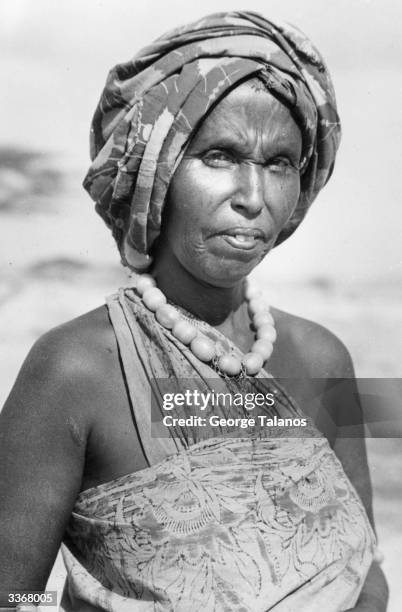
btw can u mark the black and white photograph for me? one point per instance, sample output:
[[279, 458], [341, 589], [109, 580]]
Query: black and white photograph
[[200, 306]]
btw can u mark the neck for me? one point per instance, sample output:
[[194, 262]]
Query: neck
[[221, 307]]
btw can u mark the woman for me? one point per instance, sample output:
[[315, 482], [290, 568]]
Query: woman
[[208, 149]]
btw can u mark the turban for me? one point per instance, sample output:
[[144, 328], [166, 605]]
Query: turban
[[152, 105]]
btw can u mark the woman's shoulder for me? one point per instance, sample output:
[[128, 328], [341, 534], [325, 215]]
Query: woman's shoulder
[[77, 347], [67, 368], [312, 348]]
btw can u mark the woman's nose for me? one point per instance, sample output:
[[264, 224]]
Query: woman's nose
[[250, 189]]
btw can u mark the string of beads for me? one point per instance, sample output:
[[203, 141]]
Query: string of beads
[[203, 347]]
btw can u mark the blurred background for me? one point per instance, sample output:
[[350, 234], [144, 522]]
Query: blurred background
[[343, 267]]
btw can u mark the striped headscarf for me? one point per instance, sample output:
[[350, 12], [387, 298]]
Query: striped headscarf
[[152, 105]]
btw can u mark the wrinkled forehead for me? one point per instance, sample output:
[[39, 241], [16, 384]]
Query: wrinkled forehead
[[247, 114]]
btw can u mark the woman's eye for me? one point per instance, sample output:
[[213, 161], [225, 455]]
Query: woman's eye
[[217, 158], [282, 164]]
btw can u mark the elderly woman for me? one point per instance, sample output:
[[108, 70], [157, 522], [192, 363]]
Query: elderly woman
[[208, 148]]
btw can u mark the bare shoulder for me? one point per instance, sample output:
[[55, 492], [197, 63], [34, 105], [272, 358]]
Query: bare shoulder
[[79, 343], [45, 427], [65, 367], [309, 349], [320, 355]]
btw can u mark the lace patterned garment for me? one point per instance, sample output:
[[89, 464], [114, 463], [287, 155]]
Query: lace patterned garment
[[265, 521]]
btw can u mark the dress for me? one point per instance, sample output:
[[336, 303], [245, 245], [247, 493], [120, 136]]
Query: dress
[[263, 520]]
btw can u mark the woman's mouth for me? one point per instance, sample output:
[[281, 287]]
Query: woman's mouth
[[241, 242], [245, 239]]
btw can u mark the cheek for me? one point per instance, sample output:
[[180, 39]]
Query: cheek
[[185, 222], [284, 202], [193, 198], [197, 185]]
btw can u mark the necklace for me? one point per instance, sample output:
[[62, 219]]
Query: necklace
[[204, 348]]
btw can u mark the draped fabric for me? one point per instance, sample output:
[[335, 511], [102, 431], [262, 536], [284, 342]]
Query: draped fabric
[[263, 521], [152, 105]]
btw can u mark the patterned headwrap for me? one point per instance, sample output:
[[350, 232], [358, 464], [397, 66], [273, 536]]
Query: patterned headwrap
[[152, 105]]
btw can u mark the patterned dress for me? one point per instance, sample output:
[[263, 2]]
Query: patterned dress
[[263, 520]]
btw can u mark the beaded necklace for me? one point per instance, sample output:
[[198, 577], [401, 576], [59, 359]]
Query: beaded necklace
[[189, 331]]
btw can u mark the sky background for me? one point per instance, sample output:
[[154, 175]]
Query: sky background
[[54, 58]]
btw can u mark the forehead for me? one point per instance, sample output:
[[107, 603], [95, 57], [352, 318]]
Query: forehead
[[245, 115]]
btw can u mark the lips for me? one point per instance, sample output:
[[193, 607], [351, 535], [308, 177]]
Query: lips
[[246, 238]]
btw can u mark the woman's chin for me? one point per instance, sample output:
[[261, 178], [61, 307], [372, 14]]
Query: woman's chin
[[225, 273]]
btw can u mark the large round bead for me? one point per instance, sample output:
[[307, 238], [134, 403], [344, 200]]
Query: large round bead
[[257, 305], [263, 348], [253, 363], [251, 292], [153, 298], [167, 315], [262, 318], [267, 332], [145, 281], [184, 331], [203, 348], [229, 364]]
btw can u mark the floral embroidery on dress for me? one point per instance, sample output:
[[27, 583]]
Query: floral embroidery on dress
[[256, 527], [252, 523]]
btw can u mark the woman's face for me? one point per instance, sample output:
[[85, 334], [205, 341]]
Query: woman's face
[[235, 188]]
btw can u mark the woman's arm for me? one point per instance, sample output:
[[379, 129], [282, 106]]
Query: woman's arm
[[325, 361], [374, 595], [43, 432], [350, 447], [352, 454]]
